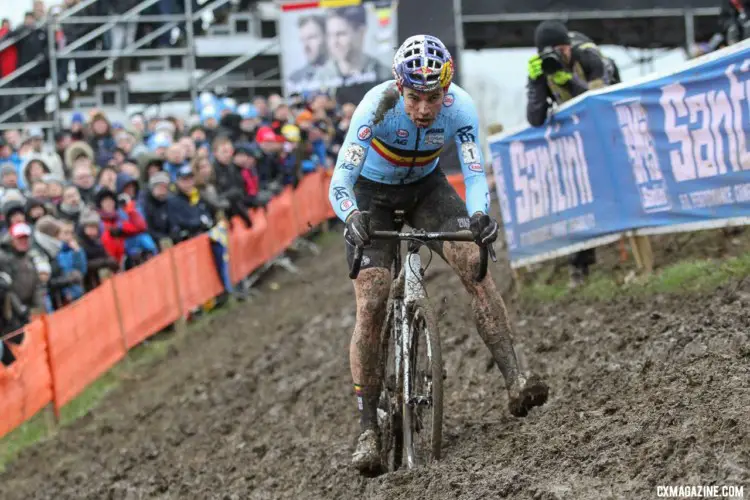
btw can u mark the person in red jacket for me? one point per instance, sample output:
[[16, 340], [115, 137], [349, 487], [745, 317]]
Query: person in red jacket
[[118, 224], [9, 55]]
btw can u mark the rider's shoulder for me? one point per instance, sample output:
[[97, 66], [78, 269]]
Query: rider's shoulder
[[457, 98], [373, 96]]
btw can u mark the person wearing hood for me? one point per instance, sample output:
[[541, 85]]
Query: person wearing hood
[[20, 277], [46, 246], [128, 185], [75, 151], [35, 210], [13, 208], [97, 258], [155, 206], [246, 157], [101, 140], [71, 258], [124, 229], [71, 205]]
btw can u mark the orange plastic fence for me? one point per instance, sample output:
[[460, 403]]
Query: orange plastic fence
[[248, 246], [197, 277], [282, 221], [457, 181], [25, 386], [66, 351], [84, 342], [310, 206], [146, 305]]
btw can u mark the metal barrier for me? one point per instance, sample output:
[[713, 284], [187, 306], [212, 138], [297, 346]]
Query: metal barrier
[[58, 88]]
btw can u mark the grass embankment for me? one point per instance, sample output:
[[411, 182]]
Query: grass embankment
[[688, 276], [148, 353]]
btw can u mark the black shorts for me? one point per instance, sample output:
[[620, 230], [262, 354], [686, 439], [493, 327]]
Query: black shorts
[[430, 204]]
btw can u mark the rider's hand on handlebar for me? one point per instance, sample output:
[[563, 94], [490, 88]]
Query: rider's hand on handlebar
[[484, 228], [357, 231]]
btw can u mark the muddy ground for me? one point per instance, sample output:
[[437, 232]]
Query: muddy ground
[[258, 404]]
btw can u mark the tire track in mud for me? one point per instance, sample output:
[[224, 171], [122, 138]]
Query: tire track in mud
[[259, 405]]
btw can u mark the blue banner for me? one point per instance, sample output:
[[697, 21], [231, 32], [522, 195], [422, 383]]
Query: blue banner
[[667, 153]]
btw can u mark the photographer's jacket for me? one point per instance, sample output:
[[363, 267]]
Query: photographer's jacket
[[591, 70]]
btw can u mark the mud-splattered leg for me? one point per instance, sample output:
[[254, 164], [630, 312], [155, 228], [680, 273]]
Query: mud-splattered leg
[[371, 290], [494, 327]]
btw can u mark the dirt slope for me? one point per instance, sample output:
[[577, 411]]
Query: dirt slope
[[259, 405]]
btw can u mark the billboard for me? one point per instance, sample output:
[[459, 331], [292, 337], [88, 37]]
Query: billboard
[[343, 47]]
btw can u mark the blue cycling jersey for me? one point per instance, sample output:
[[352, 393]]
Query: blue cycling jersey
[[391, 149]]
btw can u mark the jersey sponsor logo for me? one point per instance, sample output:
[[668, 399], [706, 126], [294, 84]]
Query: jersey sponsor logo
[[401, 142], [464, 222], [434, 138], [364, 133], [475, 167], [346, 205], [340, 192], [469, 152], [464, 134], [436, 130], [354, 154], [347, 166], [402, 133], [448, 100]]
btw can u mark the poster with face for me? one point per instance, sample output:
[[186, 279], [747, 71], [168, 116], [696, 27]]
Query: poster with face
[[344, 50]]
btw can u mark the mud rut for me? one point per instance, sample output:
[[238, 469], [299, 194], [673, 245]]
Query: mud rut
[[259, 405]]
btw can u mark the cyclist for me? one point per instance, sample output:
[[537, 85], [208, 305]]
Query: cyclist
[[388, 162]]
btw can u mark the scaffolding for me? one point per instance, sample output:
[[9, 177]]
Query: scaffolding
[[58, 87]]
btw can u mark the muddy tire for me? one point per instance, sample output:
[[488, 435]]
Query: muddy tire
[[423, 415]]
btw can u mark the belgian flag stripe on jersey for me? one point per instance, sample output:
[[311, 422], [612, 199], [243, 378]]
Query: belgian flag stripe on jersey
[[405, 157]]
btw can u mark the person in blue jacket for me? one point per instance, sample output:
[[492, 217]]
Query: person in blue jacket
[[71, 257], [188, 214]]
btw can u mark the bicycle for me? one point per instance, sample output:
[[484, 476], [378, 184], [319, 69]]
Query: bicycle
[[411, 399]]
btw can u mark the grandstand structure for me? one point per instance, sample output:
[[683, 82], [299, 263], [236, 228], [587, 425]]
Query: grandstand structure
[[238, 55]]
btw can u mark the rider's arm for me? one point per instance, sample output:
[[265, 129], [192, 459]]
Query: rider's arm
[[471, 158], [350, 160]]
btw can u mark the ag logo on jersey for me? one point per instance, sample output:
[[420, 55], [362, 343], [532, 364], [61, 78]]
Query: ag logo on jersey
[[364, 133], [448, 100]]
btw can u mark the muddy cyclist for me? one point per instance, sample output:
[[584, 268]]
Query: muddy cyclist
[[388, 162]]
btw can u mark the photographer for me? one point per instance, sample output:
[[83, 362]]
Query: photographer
[[734, 26], [566, 65]]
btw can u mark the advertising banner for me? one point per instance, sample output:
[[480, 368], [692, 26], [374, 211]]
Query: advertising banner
[[667, 153], [343, 47]]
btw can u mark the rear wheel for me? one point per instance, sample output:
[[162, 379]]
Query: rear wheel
[[423, 412]]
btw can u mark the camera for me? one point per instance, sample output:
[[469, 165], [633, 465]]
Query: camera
[[552, 61]]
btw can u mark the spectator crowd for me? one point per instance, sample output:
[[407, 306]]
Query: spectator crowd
[[108, 196]]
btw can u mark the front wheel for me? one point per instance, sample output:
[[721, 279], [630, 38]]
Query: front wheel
[[423, 402]]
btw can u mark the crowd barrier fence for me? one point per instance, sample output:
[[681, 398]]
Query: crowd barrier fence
[[664, 154], [64, 352]]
